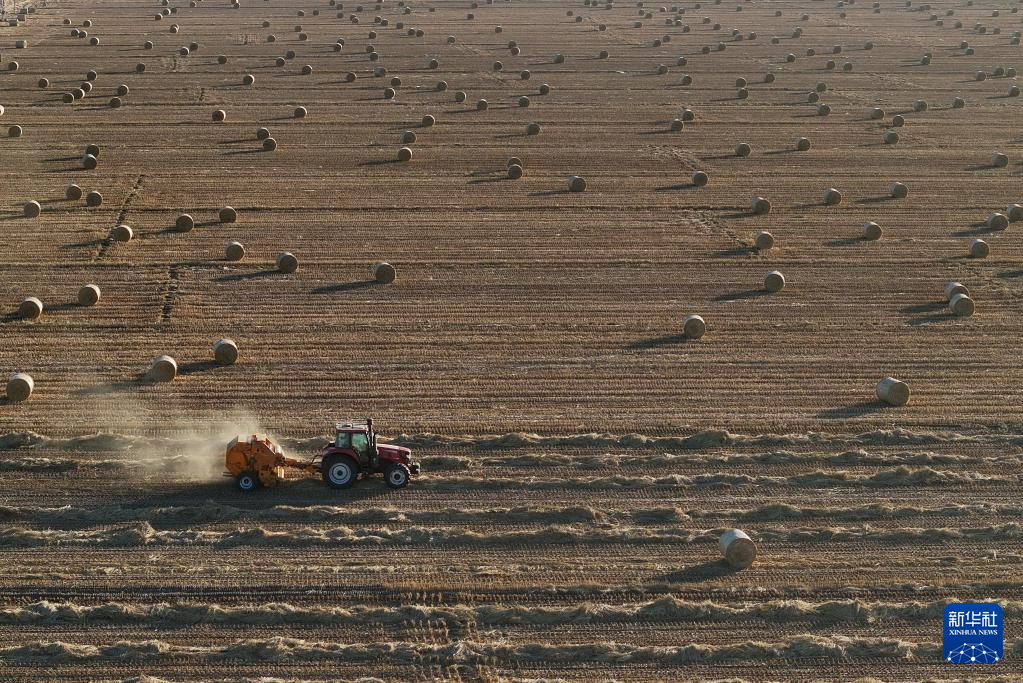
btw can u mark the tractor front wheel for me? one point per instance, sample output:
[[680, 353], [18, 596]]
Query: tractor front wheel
[[247, 481], [340, 473], [397, 476]]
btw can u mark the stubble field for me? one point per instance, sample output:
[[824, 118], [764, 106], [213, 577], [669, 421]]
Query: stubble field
[[580, 456]]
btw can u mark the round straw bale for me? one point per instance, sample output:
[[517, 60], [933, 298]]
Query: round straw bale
[[44, 83], [953, 288], [19, 387], [389, 93], [523, 101], [498, 66], [408, 137], [234, 251], [742, 93], [73, 192], [898, 191], [287, 262], [803, 144], [832, 196], [999, 160], [350, 77], [576, 184], [219, 115], [980, 76], [442, 86], [890, 138], [163, 369], [148, 45], [405, 154], [221, 59], [12, 66], [877, 113], [686, 79], [1013, 91], [383, 272], [514, 171], [78, 93], [140, 67], [1014, 212], [694, 327], [892, 391], [184, 223], [67, 98], [676, 125], [979, 249], [961, 305], [94, 198], [533, 129], [997, 221], [662, 69], [525, 75], [774, 282], [307, 69], [764, 241], [514, 161], [89, 162], [262, 133], [790, 57], [248, 79], [482, 105], [14, 131], [32, 209], [737, 548], [30, 308], [280, 61], [898, 121], [122, 233], [225, 352], [688, 115], [88, 295], [830, 65], [115, 103], [604, 54], [227, 215], [269, 145], [760, 206], [872, 231], [920, 105], [743, 149], [823, 109]]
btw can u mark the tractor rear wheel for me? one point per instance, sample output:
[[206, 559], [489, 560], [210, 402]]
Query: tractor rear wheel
[[397, 476], [247, 481], [340, 473]]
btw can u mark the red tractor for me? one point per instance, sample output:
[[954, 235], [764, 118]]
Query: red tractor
[[355, 451], [256, 460]]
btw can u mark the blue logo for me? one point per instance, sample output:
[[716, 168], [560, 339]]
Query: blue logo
[[973, 633]]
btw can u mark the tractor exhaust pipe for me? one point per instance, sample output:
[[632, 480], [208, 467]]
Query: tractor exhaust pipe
[[372, 434]]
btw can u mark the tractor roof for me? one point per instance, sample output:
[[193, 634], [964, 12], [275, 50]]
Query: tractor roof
[[351, 427]]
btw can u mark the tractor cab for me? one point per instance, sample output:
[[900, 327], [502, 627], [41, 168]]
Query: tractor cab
[[354, 451]]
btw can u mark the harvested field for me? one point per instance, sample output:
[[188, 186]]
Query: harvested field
[[581, 455]]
